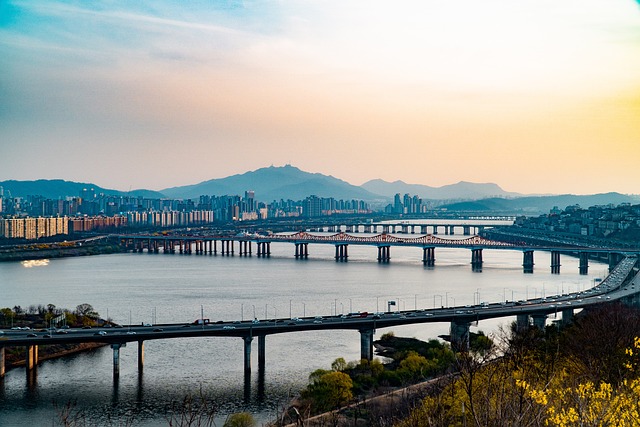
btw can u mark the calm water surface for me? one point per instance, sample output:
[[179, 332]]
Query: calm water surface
[[175, 288]]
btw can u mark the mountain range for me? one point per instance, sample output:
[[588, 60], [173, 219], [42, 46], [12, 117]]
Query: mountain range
[[289, 182]]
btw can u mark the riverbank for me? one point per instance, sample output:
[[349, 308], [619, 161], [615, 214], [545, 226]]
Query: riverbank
[[16, 358], [36, 251]]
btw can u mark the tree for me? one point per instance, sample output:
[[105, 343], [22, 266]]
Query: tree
[[86, 310], [329, 390]]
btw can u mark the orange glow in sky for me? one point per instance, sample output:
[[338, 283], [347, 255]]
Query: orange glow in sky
[[538, 96]]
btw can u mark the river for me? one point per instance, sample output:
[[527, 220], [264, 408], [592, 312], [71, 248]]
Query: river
[[163, 288]]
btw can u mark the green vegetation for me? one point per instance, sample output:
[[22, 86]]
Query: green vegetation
[[409, 361], [587, 374], [42, 317]]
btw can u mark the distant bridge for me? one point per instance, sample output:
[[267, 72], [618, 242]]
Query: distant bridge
[[202, 244]]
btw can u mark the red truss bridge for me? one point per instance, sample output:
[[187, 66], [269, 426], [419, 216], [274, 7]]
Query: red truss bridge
[[387, 239]]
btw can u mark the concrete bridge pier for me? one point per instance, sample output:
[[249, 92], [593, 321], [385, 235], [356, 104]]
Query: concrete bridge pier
[[567, 316], [614, 259], [116, 358], [435, 229], [429, 256], [527, 261], [466, 230], [342, 252], [385, 229], [476, 259], [384, 253], [32, 357], [522, 321], [459, 335], [262, 352], [247, 353], [539, 320], [555, 262], [264, 249], [140, 356], [584, 263], [423, 229], [302, 250], [366, 344]]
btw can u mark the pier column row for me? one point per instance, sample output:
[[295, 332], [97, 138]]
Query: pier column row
[[476, 259], [384, 253], [555, 262], [264, 248], [245, 247], [527, 261], [366, 344], [302, 250], [342, 252], [226, 247], [429, 256]]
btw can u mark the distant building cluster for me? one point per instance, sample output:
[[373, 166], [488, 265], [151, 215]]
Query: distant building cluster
[[98, 212], [33, 228], [597, 221], [407, 205]]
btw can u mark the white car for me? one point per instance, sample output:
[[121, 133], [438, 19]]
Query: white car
[[228, 327]]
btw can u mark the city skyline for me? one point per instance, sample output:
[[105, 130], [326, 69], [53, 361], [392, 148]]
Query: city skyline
[[537, 97]]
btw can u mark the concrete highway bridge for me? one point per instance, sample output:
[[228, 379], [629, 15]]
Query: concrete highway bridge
[[622, 284]]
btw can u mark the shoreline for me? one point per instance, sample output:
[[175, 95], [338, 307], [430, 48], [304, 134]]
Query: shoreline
[[43, 355], [34, 253]]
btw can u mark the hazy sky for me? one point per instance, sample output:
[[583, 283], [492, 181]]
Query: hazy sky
[[538, 96]]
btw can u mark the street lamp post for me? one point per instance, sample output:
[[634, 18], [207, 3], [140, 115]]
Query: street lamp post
[[254, 311], [304, 310], [242, 312], [446, 299], [289, 309], [350, 306], [434, 300]]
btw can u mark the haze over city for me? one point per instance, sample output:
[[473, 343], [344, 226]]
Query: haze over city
[[536, 96]]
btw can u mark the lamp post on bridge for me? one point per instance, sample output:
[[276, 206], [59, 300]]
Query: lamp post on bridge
[[350, 306], [446, 299], [254, 311], [242, 312], [304, 310], [434, 300]]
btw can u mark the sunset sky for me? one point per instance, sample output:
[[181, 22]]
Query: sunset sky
[[538, 96]]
